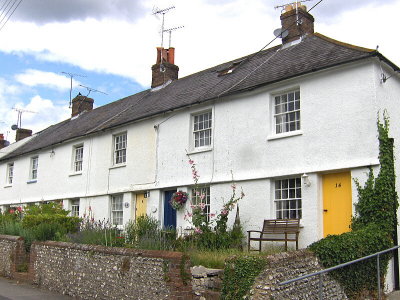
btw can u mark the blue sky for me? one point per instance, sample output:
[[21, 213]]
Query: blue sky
[[112, 43]]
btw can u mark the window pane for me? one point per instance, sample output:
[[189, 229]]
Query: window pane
[[202, 129], [288, 198], [287, 112]]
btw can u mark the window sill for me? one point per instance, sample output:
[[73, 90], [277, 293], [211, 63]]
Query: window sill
[[74, 174], [200, 150], [31, 181], [284, 135], [118, 166], [7, 186]]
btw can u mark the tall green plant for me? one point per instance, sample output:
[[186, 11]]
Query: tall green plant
[[378, 199]]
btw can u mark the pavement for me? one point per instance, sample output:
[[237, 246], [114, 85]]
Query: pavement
[[14, 290]]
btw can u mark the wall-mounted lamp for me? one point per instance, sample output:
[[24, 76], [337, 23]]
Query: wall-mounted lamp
[[52, 153], [306, 180], [147, 194]]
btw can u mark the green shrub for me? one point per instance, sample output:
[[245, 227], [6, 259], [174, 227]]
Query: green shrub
[[337, 249], [51, 208], [239, 275], [64, 223]]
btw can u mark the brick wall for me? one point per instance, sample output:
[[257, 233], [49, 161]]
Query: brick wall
[[289, 265]]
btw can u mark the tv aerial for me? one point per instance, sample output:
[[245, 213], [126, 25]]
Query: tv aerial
[[169, 32], [92, 90], [157, 11], [71, 75], [296, 4], [19, 119]]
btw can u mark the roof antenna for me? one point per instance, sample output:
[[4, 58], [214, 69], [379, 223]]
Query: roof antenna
[[92, 90], [71, 75], [157, 11], [19, 119], [169, 31], [296, 5]]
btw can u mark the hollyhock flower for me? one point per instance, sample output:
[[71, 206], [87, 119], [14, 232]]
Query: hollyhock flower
[[191, 162], [212, 215], [198, 230], [19, 208], [12, 211], [233, 186], [224, 212], [202, 196]]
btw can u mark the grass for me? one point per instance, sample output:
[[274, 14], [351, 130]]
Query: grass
[[216, 259]]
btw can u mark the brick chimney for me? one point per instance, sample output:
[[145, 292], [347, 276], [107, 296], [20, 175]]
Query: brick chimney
[[3, 142], [298, 22], [80, 104], [164, 69], [22, 133]]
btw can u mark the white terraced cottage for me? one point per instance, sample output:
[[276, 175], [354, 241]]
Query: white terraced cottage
[[294, 123]]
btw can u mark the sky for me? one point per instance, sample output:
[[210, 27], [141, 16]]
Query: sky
[[110, 46]]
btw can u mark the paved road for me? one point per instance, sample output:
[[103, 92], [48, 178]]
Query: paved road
[[12, 290]]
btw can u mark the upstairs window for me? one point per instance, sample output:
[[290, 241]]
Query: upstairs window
[[78, 158], [10, 173], [287, 112], [34, 168], [288, 198], [116, 210], [120, 142], [202, 130]]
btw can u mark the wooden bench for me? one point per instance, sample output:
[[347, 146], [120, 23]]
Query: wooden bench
[[282, 230]]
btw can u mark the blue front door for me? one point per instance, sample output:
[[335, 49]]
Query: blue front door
[[169, 212]]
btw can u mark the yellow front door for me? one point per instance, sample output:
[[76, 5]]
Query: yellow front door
[[337, 204], [141, 205]]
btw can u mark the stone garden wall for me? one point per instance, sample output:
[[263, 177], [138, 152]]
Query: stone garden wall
[[289, 265], [12, 254], [89, 272]]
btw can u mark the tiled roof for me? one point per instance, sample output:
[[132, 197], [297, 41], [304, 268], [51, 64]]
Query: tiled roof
[[313, 53]]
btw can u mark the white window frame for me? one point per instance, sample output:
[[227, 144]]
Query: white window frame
[[75, 207], [33, 170], [197, 199], [288, 198], [286, 110], [10, 173], [120, 143], [77, 164], [202, 130], [117, 209]]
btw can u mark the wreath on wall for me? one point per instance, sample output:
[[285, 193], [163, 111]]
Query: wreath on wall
[[178, 200]]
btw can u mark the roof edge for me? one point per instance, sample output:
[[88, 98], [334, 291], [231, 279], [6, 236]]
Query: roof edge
[[351, 46]]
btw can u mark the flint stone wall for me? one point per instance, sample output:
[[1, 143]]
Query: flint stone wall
[[11, 253], [289, 265], [98, 272]]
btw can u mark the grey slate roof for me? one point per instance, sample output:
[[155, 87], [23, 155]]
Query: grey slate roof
[[315, 52]]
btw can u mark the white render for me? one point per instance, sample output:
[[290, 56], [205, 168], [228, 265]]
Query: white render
[[339, 108]]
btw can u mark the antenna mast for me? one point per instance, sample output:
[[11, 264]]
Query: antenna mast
[[157, 11], [71, 75], [20, 111], [92, 90], [169, 31], [296, 4]]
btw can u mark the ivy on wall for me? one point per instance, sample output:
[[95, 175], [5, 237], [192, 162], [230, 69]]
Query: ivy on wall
[[372, 227]]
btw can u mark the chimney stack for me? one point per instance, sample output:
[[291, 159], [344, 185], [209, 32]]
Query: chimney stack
[[165, 68], [3, 142], [297, 21], [80, 104], [22, 133]]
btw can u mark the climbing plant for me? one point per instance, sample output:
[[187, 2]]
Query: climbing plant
[[372, 227], [378, 200]]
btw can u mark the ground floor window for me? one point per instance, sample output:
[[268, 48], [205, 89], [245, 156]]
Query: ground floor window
[[288, 198], [75, 208], [201, 196], [116, 209]]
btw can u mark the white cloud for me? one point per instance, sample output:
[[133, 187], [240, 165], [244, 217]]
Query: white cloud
[[48, 79]]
